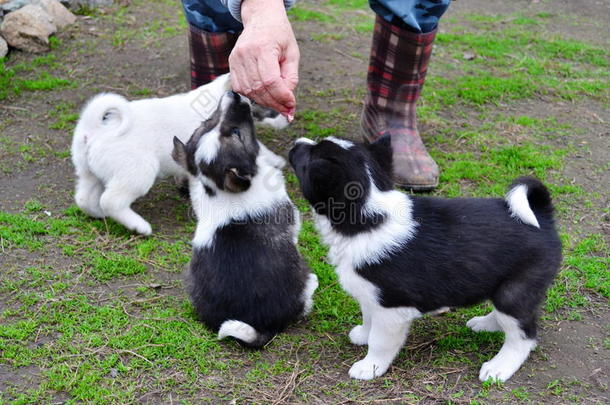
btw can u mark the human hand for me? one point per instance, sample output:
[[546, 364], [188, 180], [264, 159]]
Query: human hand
[[264, 63]]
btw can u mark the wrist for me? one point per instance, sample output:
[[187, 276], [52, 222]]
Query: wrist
[[252, 8]]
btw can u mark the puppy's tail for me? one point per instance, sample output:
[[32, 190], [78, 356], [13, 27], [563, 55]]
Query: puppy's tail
[[244, 333], [528, 199], [106, 113]]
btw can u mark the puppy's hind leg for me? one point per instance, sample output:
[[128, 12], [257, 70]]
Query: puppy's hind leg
[[88, 192], [487, 323], [389, 328], [116, 203], [515, 350], [310, 287]]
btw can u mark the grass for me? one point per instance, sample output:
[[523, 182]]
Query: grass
[[11, 84], [91, 313], [65, 117]]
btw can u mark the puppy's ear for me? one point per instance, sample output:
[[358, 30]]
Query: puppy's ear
[[381, 150], [235, 181], [179, 153]]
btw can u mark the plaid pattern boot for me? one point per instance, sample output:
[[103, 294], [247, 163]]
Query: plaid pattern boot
[[209, 54], [397, 70]]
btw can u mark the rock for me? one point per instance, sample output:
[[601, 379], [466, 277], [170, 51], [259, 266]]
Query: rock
[[28, 29], [61, 16], [469, 55], [13, 5], [3, 48]]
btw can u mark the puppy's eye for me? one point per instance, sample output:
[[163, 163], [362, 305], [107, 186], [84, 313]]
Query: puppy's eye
[[235, 132]]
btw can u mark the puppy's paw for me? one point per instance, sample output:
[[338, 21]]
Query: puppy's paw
[[497, 370], [483, 323], [359, 336], [142, 228], [367, 369]]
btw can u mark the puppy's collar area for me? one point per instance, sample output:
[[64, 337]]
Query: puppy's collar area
[[373, 245], [356, 221], [356, 216]]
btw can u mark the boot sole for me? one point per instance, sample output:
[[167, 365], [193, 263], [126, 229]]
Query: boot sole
[[418, 187]]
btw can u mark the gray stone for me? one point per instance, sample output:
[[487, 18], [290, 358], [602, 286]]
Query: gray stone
[[61, 16], [3, 48], [28, 29]]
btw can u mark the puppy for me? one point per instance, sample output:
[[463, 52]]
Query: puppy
[[120, 148], [247, 278], [402, 256]]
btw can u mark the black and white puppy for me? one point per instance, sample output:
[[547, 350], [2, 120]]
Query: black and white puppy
[[120, 147], [401, 256], [248, 280]]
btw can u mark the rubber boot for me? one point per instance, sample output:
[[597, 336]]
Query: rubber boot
[[397, 70]]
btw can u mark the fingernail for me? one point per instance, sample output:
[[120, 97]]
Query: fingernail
[[290, 117]]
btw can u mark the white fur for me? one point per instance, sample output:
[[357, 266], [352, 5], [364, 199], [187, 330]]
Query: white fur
[[237, 329], [341, 142], [266, 189], [383, 329], [372, 247], [519, 207], [120, 148], [209, 146], [272, 159], [514, 351], [487, 323], [305, 141], [279, 122], [118, 159], [310, 288]]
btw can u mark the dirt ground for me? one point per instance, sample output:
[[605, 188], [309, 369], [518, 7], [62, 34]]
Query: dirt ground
[[572, 363]]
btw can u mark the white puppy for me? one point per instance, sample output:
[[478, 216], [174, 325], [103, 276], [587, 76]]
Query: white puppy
[[120, 147]]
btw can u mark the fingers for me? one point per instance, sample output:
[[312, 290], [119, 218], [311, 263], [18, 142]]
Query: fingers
[[259, 78], [274, 92], [238, 69]]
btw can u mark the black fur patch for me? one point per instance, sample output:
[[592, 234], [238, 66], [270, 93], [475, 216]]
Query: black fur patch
[[252, 272], [463, 251], [466, 251], [209, 191], [235, 162], [260, 113], [336, 182]]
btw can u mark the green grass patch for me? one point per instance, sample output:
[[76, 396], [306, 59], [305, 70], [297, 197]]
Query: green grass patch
[[112, 265], [299, 13], [64, 117], [585, 268], [13, 85], [512, 64]]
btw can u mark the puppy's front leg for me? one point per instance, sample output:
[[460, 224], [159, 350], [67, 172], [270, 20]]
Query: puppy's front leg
[[359, 335], [389, 328]]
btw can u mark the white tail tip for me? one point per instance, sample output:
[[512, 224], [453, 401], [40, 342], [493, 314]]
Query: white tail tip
[[239, 330], [519, 205]]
